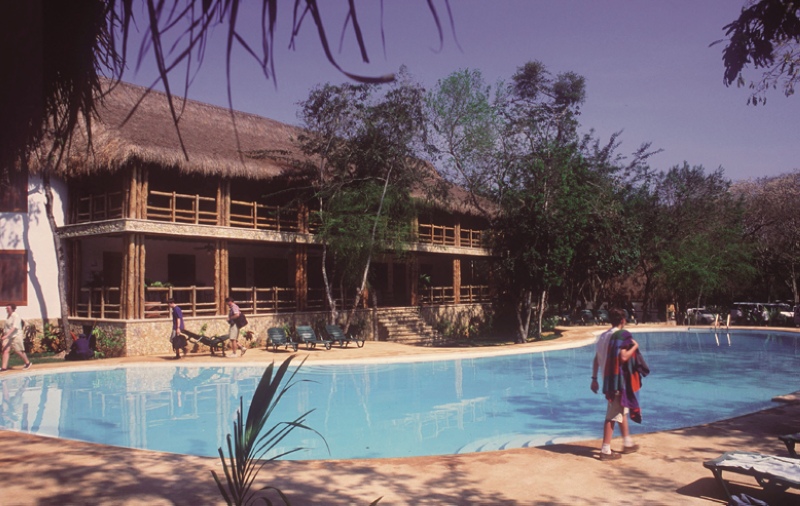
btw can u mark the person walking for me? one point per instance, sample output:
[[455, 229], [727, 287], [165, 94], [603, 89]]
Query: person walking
[[234, 315], [12, 338], [617, 358], [177, 338]]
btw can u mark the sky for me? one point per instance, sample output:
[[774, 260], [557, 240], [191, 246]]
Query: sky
[[649, 68]]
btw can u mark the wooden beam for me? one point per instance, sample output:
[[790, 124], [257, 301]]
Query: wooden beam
[[457, 280]]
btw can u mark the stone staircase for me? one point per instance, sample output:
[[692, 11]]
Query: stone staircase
[[404, 325]]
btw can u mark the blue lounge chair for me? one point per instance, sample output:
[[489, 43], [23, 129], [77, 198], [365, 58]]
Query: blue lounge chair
[[306, 334], [277, 337], [337, 335], [773, 473]]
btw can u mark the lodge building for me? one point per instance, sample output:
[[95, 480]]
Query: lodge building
[[141, 222]]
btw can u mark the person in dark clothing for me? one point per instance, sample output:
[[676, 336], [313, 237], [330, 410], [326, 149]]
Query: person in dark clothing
[[177, 338]]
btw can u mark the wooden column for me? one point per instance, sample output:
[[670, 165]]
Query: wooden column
[[457, 280], [221, 281], [457, 232], [413, 279], [132, 289], [224, 203], [74, 282], [300, 264], [144, 190]]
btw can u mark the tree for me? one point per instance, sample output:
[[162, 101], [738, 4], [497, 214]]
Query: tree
[[544, 174], [766, 35], [772, 221], [365, 141], [697, 247]]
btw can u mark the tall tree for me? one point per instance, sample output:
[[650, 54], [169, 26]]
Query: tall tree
[[699, 247], [545, 176], [366, 140], [772, 220]]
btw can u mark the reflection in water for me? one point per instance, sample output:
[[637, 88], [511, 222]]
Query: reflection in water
[[427, 408]]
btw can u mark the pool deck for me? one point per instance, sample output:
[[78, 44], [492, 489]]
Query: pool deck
[[668, 468]]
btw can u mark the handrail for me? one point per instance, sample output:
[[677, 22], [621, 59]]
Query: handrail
[[98, 207], [194, 300], [260, 216], [181, 208], [99, 302], [255, 300], [430, 233]]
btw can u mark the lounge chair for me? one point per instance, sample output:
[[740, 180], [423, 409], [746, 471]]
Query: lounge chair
[[771, 472], [790, 440], [277, 337], [215, 343], [337, 335], [307, 335]]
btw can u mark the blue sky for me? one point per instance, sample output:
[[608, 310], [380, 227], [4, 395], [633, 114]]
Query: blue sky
[[648, 66]]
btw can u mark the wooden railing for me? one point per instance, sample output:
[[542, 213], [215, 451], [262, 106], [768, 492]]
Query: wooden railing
[[474, 293], [468, 294], [100, 302], [193, 300], [105, 206], [263, 217], [437, 295], [429, 233], [471, 238], [254, 300], [179, 208], [318, 301]]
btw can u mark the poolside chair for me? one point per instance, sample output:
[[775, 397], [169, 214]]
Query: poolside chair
[[790, 440], [215, 343], [771, 472], [277, 337], [306, 334], [337, 335]]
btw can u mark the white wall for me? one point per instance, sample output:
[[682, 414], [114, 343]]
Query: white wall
[[31, 232]]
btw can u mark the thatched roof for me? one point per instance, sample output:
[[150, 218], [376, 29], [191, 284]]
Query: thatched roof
[[126, 133], [149, 135]]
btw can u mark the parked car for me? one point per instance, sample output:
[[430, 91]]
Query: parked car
[[601, 315], [700, 316]]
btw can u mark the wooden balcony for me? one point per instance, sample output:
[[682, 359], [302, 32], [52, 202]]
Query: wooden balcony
[[179, 208], [262, 217], [105, 206], [429, 233]]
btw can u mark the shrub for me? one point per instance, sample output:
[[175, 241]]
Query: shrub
[[109, 345]]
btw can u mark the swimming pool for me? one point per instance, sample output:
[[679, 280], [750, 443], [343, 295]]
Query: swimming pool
[[409, 409]]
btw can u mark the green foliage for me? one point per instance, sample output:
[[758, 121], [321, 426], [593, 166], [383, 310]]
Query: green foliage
[[109, 345], [52, 339], [253, 439]]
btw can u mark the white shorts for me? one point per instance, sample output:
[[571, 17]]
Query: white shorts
[[615, 412]]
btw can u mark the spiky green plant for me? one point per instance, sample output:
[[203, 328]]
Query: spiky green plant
[[247, 446]]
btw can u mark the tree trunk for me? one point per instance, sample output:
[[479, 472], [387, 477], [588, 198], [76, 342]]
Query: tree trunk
[[542, 302], [524, 316], [60, 256], [328, 291], [360, 291]]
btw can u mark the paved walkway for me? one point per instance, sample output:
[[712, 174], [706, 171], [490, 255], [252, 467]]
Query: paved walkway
[[667, 470]]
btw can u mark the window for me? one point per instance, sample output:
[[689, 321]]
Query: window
[[13, 191], [14, 277]]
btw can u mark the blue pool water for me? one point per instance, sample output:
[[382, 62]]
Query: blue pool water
[[407, 409]]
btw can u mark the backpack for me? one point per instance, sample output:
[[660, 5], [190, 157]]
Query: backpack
[[241, 321]]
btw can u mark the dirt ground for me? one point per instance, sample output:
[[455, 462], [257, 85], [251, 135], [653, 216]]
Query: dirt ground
[[667, 470]]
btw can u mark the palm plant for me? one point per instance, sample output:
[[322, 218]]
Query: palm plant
[[248, 446]]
